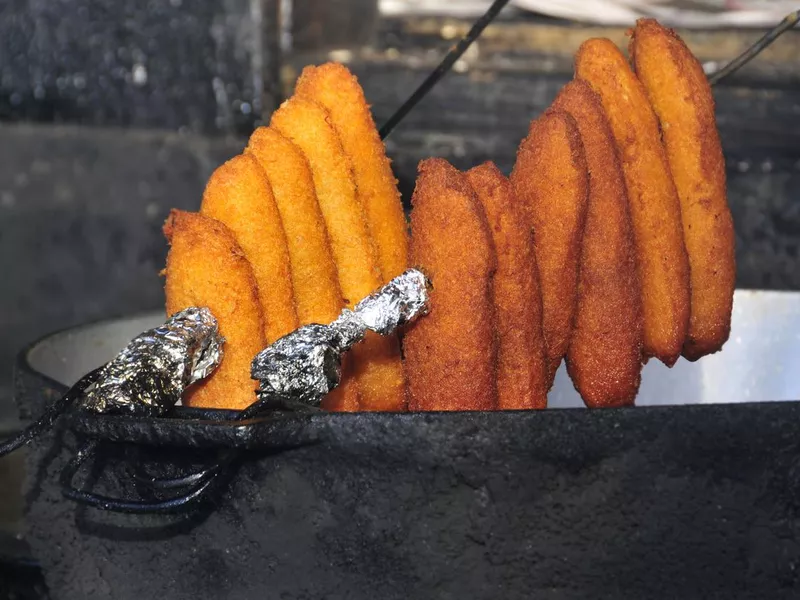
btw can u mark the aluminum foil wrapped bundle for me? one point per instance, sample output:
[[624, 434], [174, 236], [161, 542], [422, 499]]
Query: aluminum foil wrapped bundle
[[150, 375], [305, 365]]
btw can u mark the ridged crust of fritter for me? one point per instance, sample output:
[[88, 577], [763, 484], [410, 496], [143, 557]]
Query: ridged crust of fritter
[[206, 267], [338, 90], [318, 297], [604, 356], [662, 260], [522, 373], [552, 183], [680, 94], [238, 194], [377, 367], [451, 354]]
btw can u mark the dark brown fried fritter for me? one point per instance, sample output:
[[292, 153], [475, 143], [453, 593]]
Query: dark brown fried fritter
[[206, 267], [451, 354], [551, 181], [522, 373], [604, 357], [661, 256], [681, 96]]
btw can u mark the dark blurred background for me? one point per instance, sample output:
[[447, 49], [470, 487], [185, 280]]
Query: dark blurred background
[[114, 111]]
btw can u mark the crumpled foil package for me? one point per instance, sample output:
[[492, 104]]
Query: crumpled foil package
[[305, 365], [149, 376]]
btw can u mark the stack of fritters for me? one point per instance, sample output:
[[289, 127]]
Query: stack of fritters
[[611, 241], [622, 181], [312, 211]]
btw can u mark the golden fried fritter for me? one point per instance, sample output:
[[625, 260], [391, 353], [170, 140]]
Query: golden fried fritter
[[314, 279], [681, 97], [307, 124], [522, 373], [451, 354], [317, 294], [552, 183], [376, 361], [655, 209], [238, 194], [338, 90], [206, 267], [604, 356]]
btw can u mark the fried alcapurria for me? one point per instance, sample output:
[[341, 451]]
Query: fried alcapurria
[[451, 354], [377, 367], [338, 90], [604, 357], [551, 181], [317, 294], [522, 372], [681, 96], [239, 195], [661, 256], [206, 267]]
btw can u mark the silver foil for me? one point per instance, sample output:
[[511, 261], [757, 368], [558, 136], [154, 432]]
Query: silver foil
[[395, 304], [305, 365], [149, 376]]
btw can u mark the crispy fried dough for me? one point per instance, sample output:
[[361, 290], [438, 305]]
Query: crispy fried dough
[[681, 97], [338, 90], [314, 279], [604, 357], [522, 372], [238, 194], [206, 267], [451, 354], [661, 255], [317, 294], [376, 361], [551, 182]]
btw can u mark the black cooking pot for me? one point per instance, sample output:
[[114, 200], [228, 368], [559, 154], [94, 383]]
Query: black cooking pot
[[695, 501]]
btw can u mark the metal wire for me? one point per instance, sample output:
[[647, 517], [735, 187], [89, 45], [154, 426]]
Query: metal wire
[[447, 63], [123, 505], [745, 57], [51, 414], [210, 470], [252, 411], [475, 31], [196, 484]]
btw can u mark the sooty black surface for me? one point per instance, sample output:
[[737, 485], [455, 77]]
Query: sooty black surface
[[689, 502]]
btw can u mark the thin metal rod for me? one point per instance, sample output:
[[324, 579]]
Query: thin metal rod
[[222, 461], [449, 60], [745, 57], [226, 457], [195, 492], [51, 414], [458, 50]]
